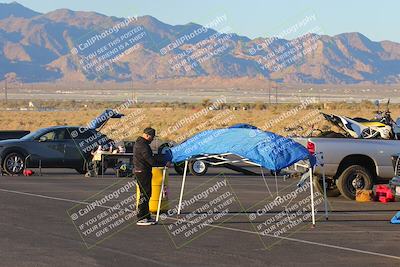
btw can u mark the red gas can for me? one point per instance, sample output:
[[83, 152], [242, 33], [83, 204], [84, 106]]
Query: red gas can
[[383, 194], [28, 172]]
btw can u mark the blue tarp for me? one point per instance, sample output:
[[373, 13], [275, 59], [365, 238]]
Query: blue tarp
[[272, 151], [243, 125], [396, 218]]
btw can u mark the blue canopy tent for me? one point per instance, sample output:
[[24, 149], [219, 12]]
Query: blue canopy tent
[[261, 148], [244, 125], [269, 150]]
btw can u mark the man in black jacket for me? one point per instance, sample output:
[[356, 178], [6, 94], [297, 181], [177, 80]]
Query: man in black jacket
[[144, 161]]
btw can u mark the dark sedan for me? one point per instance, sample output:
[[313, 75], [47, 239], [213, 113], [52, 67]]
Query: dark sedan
[[54, 147]]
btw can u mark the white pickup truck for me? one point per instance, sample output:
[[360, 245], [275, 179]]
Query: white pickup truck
[[351, 164]]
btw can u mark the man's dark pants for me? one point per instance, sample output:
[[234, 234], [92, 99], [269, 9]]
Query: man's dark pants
[[144, 181]]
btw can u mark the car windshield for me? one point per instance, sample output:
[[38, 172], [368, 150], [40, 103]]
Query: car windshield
[[34, 135]]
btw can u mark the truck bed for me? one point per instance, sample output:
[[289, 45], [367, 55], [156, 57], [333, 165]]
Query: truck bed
[[335, 151]]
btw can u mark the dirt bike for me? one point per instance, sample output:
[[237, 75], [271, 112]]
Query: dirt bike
[[382, 126]]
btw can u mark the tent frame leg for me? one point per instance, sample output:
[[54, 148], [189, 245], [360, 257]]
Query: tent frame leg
[[182, 187], [265, 181], [325, 195], [161, 193], [312, 197]]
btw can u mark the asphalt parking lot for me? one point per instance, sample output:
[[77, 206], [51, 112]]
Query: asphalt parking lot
[[37, 229]]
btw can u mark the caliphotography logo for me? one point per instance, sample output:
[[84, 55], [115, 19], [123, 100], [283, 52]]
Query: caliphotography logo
[[106, 213], [210, 203]]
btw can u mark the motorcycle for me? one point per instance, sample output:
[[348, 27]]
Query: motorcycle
[[381, 127]]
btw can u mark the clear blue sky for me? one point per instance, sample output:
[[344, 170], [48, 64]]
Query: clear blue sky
[[377, 19]]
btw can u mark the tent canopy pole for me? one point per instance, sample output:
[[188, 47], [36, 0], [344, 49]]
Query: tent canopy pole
[[312, 196], [324, 185], [182, 187], [161, 193], [311, 190]]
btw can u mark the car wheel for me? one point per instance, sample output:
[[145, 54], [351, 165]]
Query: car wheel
[[331, 188], [198, 167], [352, 178], [14, 163]]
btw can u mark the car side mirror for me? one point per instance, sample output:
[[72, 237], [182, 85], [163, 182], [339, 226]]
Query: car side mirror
[[43, 139]]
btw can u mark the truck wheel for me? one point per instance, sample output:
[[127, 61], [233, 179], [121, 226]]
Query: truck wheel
[[198, 167], [352, 178], [331, 188], [14, 163]]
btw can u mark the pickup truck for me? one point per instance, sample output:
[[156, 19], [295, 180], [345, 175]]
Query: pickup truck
[[351, 164]]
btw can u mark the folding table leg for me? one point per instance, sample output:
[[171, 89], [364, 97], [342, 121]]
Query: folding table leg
[[40, 167], [102, 166]]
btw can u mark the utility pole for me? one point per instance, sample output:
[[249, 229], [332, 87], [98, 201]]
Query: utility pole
[[319, 96], [133, 91], [276, 95], [5, 91], [269, 95]]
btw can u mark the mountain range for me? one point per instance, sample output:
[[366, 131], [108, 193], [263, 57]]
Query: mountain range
[[74, 46]]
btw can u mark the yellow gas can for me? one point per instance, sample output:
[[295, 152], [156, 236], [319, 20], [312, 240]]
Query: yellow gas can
[[156, 182]]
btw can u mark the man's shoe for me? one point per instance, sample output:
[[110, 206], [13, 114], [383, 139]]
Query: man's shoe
[[152, 221], [146, 221], [143, 222]]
